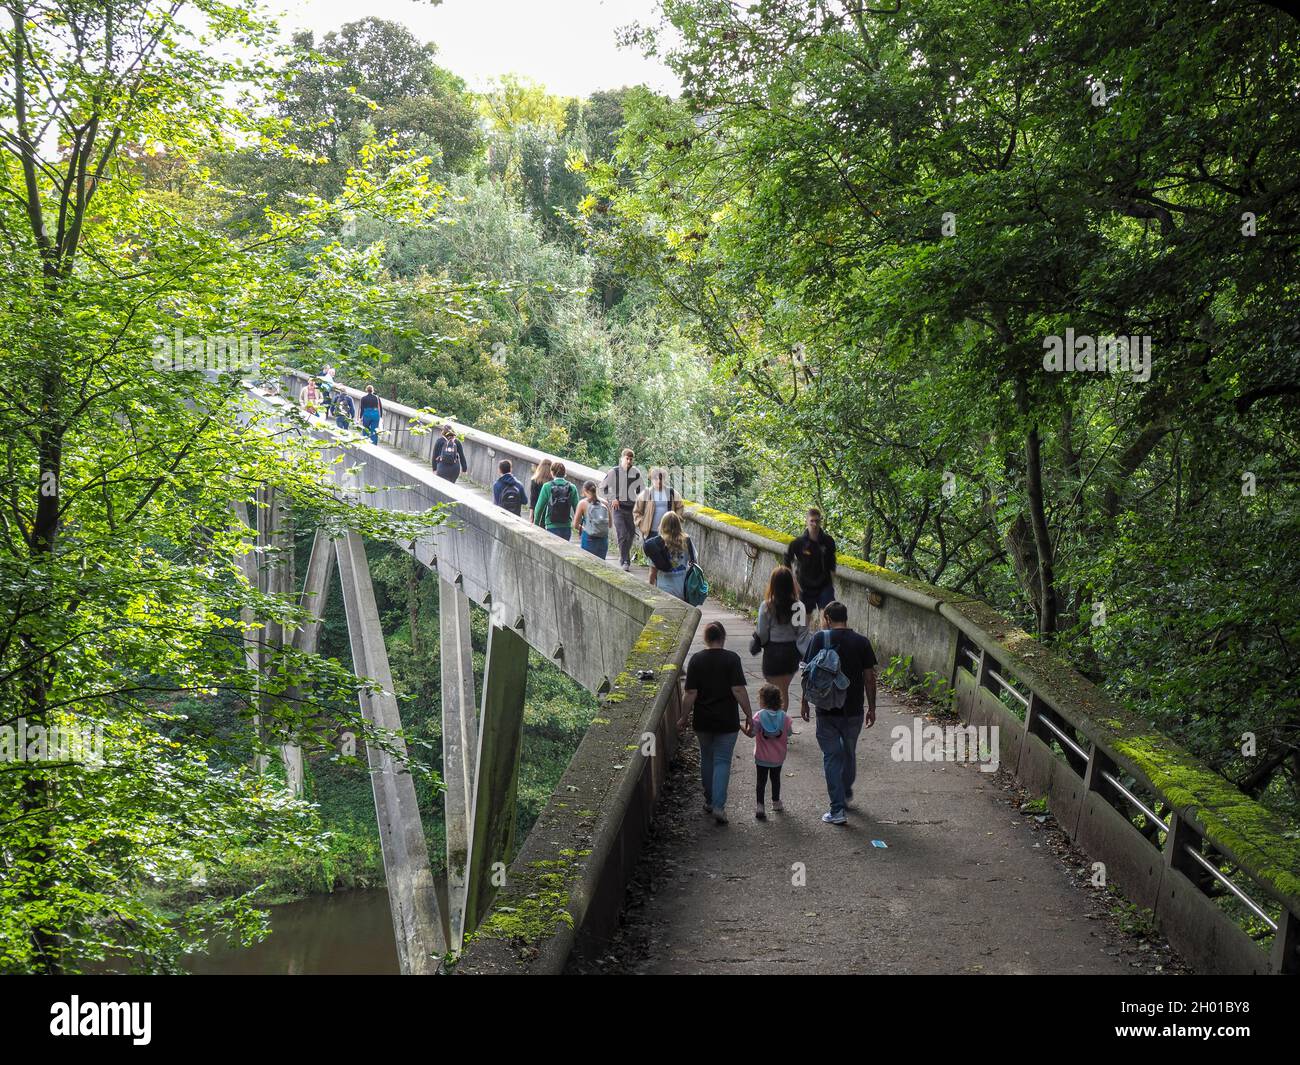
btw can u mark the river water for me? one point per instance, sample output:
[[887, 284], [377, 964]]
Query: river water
[[349, 932]]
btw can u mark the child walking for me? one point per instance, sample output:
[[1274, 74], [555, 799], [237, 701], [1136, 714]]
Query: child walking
[[772, 729]]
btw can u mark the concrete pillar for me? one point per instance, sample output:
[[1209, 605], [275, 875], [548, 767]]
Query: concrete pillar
[[315, 592], [459, 745], [417, 922], [501, 726]]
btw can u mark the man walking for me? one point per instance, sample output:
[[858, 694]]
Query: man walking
[[812, 557], [853, 658], [508, 492], [619, 489], [715, 692]]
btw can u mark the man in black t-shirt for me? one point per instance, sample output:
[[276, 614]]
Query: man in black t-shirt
[[715, 694], [812, 557], [838, 729]]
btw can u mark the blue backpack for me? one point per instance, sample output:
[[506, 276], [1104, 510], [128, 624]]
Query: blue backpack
[[824, 682]]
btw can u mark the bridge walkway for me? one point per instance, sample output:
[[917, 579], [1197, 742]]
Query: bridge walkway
[[964, 883]]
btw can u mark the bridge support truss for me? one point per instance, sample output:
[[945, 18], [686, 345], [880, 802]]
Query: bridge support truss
[[481, 743]]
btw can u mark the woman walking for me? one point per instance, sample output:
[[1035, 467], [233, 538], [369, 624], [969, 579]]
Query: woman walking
[[449, 455], [372, 413], [540, 479], [782, 631], [671, 554], [654, 501], [592, 520], [309, 397]]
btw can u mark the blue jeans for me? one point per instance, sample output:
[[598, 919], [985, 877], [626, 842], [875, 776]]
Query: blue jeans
[[370, 423], [837, 736], [597, 545], [564, 532], [817, 598], [716, 749]]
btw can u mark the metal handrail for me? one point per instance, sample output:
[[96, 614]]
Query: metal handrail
[[1007, 685], [1114, 782], [1064, 738], [1250, 903]]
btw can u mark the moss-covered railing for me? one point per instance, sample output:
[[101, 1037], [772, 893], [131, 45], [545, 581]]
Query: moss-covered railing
[[565, 889]]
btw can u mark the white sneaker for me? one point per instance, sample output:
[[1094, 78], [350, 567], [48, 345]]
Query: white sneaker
[[778, 805], [760, 813], [834, 819]]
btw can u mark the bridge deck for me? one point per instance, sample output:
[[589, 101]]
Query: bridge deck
[[966, 882]]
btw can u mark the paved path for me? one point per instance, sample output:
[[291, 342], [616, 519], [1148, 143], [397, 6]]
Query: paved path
[[966, 883]]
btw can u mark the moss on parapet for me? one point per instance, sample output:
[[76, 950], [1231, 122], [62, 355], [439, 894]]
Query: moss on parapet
[[566, 861], [843, 561], [1234, 822]]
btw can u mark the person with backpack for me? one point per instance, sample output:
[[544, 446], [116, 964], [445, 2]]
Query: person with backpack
[[555, 503], [812, 557], [715, 694], [782, 631], [839, 672], [344, 409], [620, 489], [372, 413], [508, 491], [772, 728], [671, 555], [449, 455], [592, 520], [540, 479]]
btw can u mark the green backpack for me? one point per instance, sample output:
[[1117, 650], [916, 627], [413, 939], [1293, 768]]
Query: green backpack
[[695, 586]]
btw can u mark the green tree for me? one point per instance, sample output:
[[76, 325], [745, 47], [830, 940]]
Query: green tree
[[120, 558]]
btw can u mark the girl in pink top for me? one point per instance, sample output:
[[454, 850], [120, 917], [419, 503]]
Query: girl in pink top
[[772, 729]]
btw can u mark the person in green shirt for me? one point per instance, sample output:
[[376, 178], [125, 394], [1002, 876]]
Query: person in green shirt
[[555, 504]]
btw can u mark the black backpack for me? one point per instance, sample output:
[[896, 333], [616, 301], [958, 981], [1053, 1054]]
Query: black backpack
[[559, 508], [512, 496], [449, 456]]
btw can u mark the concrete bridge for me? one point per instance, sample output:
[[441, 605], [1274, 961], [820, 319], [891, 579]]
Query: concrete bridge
[[1216, 870]]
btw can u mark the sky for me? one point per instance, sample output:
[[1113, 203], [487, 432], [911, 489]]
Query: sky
[[569, 46]]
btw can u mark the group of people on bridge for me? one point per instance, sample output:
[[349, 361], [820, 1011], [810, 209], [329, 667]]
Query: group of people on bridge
[[802, 629]]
